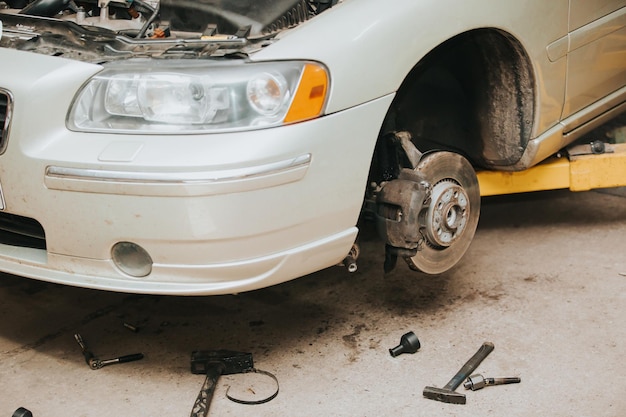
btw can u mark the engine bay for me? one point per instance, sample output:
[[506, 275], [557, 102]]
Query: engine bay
[[104, 30]]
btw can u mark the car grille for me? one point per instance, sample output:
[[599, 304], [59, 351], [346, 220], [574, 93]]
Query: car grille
[[6, 107], [21, 231]]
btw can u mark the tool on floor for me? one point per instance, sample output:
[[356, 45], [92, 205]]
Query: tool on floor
[[22, 412], [97, 363], [131, 327], [86, 352], [447, 393], [100, 363], [215, 363], [409, 343], [477, 381]]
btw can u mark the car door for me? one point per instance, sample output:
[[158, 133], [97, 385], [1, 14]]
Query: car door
[[596, 56]]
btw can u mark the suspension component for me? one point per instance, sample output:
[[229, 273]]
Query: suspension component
[[399, 204]]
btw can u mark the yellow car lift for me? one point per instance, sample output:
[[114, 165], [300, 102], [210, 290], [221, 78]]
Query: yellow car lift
[[585, 167]]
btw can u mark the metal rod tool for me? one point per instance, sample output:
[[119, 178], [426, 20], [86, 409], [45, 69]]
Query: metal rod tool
[[476, 382]]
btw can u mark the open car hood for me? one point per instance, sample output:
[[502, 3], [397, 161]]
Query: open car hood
[[251, 17], [105, 30]]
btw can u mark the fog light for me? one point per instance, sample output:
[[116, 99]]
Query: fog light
[[132, 259]]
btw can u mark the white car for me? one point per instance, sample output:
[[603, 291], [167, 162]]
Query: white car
[[220, 146]]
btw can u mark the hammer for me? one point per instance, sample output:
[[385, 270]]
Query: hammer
[[213, 364], [447, 393]]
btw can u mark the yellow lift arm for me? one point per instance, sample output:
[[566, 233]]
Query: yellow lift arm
[[577, 172]]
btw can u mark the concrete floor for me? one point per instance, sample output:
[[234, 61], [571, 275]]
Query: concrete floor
[[544, 280]]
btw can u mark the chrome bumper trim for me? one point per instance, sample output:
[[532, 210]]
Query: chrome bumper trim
[[166, 183], [176, 177]]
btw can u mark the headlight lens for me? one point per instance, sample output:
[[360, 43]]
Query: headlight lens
[[267, 93], [149, 96]]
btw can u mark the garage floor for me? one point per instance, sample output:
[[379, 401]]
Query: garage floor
[[544, 280]]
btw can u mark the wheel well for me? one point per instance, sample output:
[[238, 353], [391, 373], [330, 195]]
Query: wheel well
[[473, 94]]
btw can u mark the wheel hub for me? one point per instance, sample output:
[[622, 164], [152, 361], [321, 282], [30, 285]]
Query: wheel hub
[[449, 221], [447, 213]]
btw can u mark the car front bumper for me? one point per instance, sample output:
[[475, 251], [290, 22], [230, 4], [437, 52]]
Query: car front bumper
[[217, 213]]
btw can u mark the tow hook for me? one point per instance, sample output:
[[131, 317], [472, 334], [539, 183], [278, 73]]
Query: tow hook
[[350, 260]]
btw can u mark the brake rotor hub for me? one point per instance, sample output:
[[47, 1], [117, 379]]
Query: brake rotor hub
[[446, 215]]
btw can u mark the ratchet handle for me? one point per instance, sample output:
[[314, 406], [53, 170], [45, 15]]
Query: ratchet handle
[[101, 363], [130, 358]]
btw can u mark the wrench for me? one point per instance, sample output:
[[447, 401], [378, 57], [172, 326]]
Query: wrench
[[96, 363]]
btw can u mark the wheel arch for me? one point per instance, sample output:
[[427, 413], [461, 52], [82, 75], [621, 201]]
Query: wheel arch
[[473, 94]]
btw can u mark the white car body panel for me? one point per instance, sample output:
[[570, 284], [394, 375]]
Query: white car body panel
[[600, 42], [223, 213], [200, 235], [384, 51]]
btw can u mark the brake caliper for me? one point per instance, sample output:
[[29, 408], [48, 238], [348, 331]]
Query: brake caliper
[[399, 204]]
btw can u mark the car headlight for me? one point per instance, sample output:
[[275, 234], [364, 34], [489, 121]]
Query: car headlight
[[150, 96]]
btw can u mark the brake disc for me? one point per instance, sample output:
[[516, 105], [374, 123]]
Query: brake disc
[[449, 220]]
